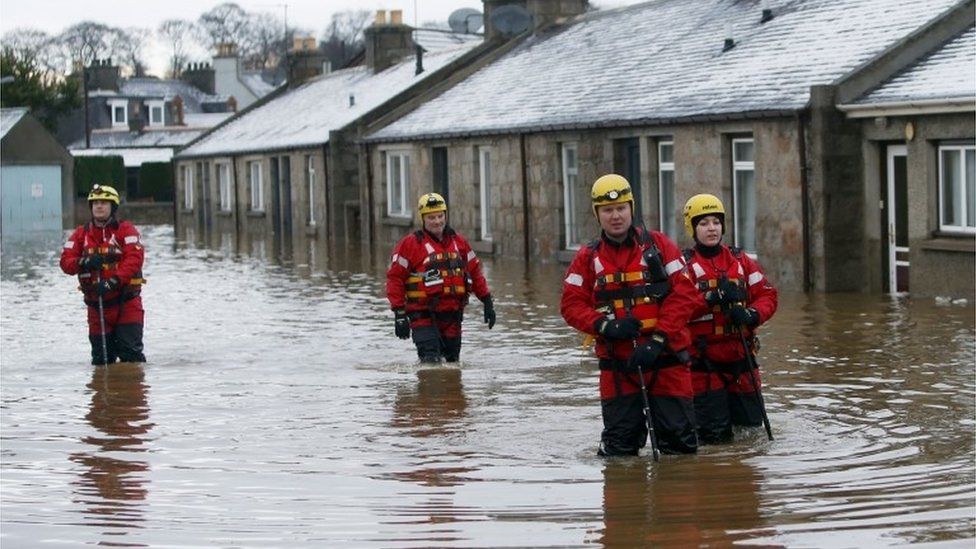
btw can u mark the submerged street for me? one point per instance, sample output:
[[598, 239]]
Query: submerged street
[[277, 409]]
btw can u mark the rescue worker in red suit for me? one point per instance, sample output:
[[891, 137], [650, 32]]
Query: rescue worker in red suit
[[431, 275], [740, 298], [107, 256], [630, 290]]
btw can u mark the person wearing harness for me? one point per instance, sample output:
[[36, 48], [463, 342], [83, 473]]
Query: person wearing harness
[[432, 272], [630, 289], [107, 256], [740, 299]]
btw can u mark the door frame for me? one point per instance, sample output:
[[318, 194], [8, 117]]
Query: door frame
[[891, 208]]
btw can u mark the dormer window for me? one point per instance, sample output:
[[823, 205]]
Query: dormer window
[[155, 109], [120, 112]]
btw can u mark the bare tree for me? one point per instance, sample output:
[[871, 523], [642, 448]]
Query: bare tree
[[344, 35], [268, 41], [84, 42], [178, 34], [34, 46], [226, 23], [128, 45]]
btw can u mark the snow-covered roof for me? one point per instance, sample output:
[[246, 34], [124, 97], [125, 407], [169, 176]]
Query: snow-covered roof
[[256, 83], [433, 40], [193, 97], [132, 158], [304, 116], [946, 74], [116, 139], [205, 120], [9, 119], [663, 61]]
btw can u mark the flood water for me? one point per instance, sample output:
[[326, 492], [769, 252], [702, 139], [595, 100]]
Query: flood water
[[277, 409]]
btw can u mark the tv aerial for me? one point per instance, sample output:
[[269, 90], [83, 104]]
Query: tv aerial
[[510, 19], [465, 20]]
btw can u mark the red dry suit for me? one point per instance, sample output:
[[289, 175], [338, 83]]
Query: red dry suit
[[723, 368], [433, 278], [118, 242], [643, 277]]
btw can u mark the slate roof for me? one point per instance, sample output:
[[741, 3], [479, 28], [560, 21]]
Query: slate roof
[[193, 97], [433, 40], [9, 118], [304, 116], [131, 158], [948, 73], [662, 61], [114, 139]]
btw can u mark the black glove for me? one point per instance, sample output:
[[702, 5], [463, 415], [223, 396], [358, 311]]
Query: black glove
[[91, 262], [619, 328], [714, 297], [489, 311], [743, 316], [401, 325], [645, 355], [107, 285], [731, 291]]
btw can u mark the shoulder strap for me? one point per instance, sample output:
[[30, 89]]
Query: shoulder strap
[[688, 253], [419, 233], [736, 252]]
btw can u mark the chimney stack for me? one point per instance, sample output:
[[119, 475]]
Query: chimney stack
[[387, 44], [541, 12], [102, 75], [305, 60], [200, 76]]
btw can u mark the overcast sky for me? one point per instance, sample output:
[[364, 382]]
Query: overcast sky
[[53, 16]]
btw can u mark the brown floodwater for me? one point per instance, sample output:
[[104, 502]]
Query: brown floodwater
[[277, 409]]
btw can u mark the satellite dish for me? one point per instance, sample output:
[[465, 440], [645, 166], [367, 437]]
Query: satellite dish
[[510, 19], [465, 20]]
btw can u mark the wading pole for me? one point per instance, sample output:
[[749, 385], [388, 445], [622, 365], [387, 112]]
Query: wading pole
[[647, 414], [101, 321], [752, 377]]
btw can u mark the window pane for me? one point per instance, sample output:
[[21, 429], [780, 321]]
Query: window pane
[[743, 151], [951, 206], [745, 209], [666, 152], [667, 204], [570, 190], [396, 192], [971, 188]]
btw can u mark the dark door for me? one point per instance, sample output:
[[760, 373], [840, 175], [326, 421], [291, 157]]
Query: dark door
[[439, 169], [286, 214], [627, 163]]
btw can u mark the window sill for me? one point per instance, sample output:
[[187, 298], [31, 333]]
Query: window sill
[[950, 243], [398, 221], [255, 213], [312, 230]]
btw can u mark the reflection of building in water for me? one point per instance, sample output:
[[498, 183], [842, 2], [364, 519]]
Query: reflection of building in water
[[110, 486], [694, 502], [436, 407]]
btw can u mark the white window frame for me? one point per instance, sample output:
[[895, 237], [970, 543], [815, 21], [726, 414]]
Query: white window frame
[[398, 184], [310, 180], [744, 199], [188, 186], [666, 204], [484, 189], [962, 190], [225, 186], [255, 176], [153, 106], [119, 104], [570, 164]]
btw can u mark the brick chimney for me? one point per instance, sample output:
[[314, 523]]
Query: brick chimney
[[387, 43], [305, 60], [200, 76], [102, 75], [542, 12]]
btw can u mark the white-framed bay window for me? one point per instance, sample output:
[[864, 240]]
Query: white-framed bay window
[[255, 185], [225, 187], [119, 109], [744, 193], [398, 184], [187, 170], [957, 188], [570, 163], [484, 190], [665, 191], [310, 185], [155, 109]]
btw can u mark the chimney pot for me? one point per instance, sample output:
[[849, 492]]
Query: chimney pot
[[380, 18], [396, 17]]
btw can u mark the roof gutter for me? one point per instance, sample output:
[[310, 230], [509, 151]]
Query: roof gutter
[[907, 108], [607, 124]]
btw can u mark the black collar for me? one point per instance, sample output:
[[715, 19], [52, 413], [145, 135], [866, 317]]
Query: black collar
[[708, 251]]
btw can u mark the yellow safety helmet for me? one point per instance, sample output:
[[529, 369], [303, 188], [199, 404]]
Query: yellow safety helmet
[[104, 192], [701, 205], [430, 203], [611, 189]]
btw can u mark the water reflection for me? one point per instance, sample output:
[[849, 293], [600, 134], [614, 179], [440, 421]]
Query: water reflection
[[683, 502], [436, 406], [113, 485]]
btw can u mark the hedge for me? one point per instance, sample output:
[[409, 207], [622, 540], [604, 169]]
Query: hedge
[[156, 181], [103, 170]]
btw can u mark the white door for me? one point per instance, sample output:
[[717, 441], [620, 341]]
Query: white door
[[896, 207]]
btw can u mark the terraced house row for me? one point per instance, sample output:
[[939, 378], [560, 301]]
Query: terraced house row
[[840, 132]]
